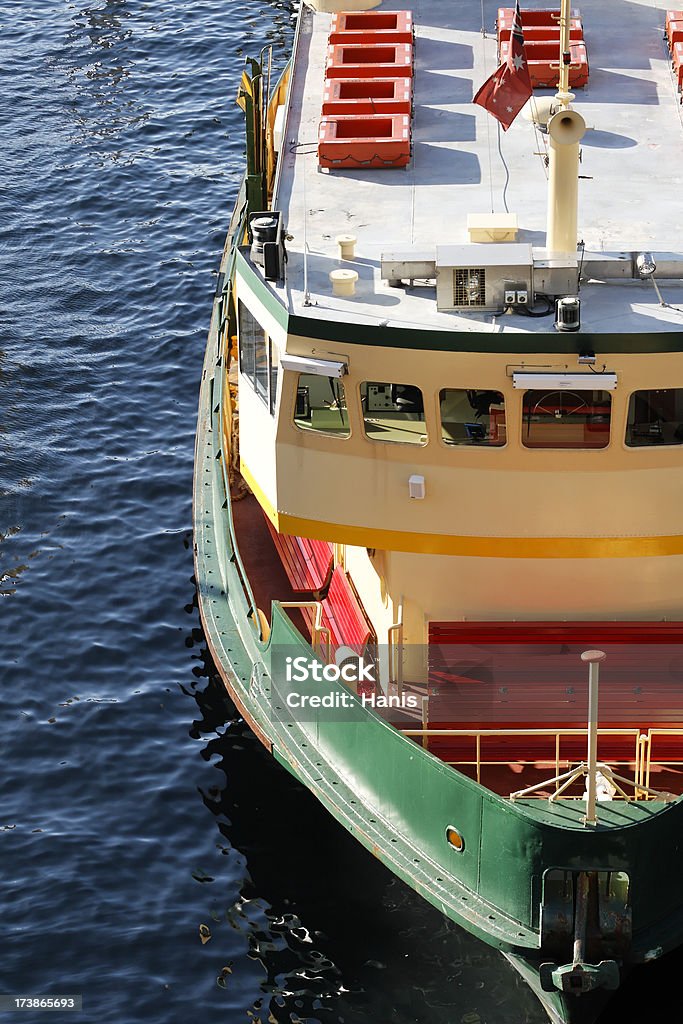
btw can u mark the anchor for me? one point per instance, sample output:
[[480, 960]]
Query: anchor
[[578, 976]]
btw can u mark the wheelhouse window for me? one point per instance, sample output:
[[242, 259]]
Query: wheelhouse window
[[655, 417], [472, 417], [258, 360], [566, 419], [321, 405], [393, 412]]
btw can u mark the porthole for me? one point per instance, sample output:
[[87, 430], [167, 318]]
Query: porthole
[[455, 839]]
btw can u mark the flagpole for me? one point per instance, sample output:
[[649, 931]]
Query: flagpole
[[563, 93], [566, 129]]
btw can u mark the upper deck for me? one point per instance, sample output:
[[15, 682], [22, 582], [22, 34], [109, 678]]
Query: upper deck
[[631, 172]]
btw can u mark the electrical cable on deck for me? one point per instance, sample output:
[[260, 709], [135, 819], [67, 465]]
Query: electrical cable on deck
[[582, 247], [507, 173], [662, 301], [294, 147], [541, 137]]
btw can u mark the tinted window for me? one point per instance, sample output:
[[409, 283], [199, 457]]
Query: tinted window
[[655, 417], [257, 357], [393, 412], [250, 336], [566, 419], [472, 417], [321, 405]]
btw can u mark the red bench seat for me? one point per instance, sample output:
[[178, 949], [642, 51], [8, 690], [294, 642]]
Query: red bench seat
[[343, 615], [308, 563]]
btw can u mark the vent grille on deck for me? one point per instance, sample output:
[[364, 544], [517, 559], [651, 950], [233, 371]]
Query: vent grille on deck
[[469, 286]]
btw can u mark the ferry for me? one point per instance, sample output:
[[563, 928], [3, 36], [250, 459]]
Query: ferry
[[439, 461]]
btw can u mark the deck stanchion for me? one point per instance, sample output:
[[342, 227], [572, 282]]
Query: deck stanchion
[[425, 722], [593, 658]]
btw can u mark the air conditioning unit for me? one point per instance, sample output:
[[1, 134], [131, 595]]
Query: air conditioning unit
[[482, 277]]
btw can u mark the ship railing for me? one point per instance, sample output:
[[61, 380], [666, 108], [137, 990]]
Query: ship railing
[[640, 768], [395, 651], [648, 762], [319, 634], [220, 455]]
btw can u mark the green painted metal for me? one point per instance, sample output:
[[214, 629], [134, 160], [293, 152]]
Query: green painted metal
[[561, 1007], [580, 977], [253, 99]]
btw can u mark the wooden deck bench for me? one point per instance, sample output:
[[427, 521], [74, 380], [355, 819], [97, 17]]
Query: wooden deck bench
[[308, 563]]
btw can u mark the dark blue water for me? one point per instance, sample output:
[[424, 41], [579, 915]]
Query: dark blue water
[[135, 805]]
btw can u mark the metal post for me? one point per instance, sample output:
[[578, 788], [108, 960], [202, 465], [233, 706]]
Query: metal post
[[581, 917], [563, 94], [593, 658], [425, 722], [565, 129]]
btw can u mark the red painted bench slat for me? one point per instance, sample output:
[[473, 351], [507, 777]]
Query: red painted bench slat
[[518, 675], [308, 563], [343, 614]]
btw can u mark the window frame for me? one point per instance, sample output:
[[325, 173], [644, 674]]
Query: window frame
[[388, 440], [663, 446], [465, 446], [267, 395], [311, 431], [567, 447]]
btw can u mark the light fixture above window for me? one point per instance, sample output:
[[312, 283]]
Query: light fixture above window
[[560, 381], [318, 367]]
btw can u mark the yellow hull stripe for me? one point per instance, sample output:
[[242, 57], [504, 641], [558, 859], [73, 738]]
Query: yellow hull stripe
[[476, 547]]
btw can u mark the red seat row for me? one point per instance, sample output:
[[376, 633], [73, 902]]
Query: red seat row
[[542, 45], [308, 563], [343, 617], [367, 100]]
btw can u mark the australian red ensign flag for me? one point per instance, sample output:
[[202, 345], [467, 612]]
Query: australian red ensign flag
[[507, 90]]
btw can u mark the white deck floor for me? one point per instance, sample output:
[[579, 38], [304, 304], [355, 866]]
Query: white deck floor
[[632, 169]]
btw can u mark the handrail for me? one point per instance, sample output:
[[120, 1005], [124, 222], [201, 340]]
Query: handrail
[[651, 733], [641, 783], [395, 650], [218, 445], [298, 32], [318, 627], [643, 745]]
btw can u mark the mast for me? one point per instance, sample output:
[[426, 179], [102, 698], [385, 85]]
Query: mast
[[566, 128]]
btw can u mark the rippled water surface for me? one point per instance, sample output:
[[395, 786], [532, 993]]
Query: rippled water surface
[[135, 806]]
